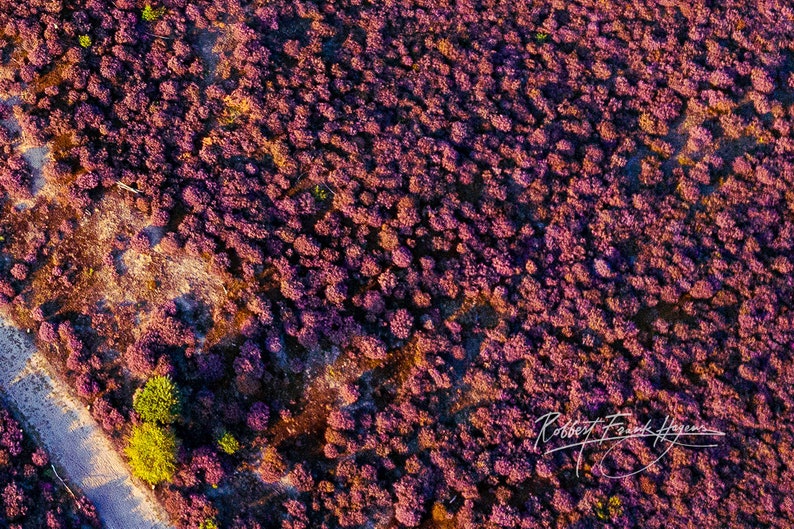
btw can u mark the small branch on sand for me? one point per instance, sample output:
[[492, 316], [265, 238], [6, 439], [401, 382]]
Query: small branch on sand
[[159, 36], [63, 482], [128, 188]]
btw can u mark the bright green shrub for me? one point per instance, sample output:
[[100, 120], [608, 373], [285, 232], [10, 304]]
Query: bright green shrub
[[152, 453], [209, 523], [150, 14], [228, 443], [158, 401]]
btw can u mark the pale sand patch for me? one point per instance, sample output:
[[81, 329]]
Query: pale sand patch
[[36, 158], [71, 436], [206, 49], [35, 155], [176, 276]]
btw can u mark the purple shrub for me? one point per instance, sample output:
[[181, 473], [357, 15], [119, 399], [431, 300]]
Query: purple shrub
[[47, 332], [258, 415], [401, 323], [15, 502], [205, 462]]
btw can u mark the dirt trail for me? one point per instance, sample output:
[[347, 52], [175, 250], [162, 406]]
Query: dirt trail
[[72, 437]]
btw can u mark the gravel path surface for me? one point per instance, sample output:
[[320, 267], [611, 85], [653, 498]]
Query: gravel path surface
[[73, 439]]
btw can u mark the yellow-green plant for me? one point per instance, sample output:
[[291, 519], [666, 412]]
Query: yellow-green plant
[[319, 193], [209, 523], [152, 453], [84, 40], [609, 509], [228, 443], [158, 401], [150, 14]]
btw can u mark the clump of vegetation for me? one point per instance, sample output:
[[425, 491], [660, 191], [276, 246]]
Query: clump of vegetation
[[541, 37], [84, 40], [158, 401], [150, 14], [319, 193], [152, 453], [233, 109], [209, 523], [228, 443], [609, 509]]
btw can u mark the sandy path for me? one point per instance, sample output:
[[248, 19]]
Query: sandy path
[[72, 437]]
